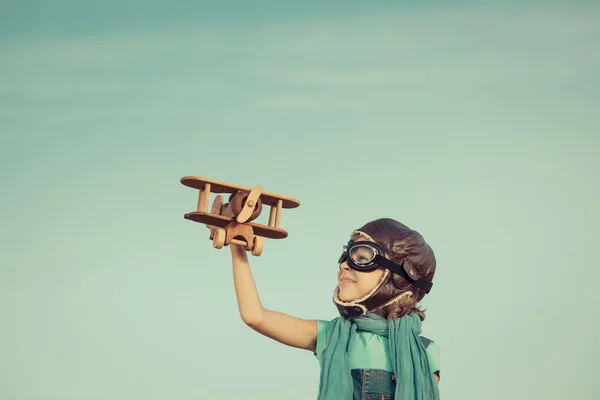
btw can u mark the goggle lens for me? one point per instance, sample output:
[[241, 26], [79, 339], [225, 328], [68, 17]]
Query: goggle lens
[[361, 255]]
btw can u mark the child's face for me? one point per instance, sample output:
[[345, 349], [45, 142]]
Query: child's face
[[355, 284]]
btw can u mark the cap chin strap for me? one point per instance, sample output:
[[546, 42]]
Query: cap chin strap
[[349, 309], [356, 308], [359, 307], [370, 302]]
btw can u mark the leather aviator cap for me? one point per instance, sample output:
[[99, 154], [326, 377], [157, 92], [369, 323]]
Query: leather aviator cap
[[403, 246]]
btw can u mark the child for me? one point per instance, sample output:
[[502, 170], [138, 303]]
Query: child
[[373, 350]]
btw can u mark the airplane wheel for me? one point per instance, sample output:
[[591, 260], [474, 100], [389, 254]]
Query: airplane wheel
[[259, 243], [219, 239]]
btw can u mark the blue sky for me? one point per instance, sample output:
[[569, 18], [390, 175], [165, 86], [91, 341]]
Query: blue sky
[[474, 123]]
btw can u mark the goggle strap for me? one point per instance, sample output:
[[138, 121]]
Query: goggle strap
[[415, 280], [399, 270]]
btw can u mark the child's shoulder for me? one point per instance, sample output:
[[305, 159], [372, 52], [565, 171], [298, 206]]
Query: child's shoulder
[[433, 353], [427, 342], [323, 327]]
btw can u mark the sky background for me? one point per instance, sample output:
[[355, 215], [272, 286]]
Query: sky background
[[475, 123]]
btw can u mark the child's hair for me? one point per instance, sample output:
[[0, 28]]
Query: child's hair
[[404, 305]]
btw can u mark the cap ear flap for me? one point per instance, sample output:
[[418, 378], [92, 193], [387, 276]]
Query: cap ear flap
[[399, 281], [410, 269], [402, 283]]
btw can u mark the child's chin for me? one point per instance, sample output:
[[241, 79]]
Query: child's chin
[[347, 295]]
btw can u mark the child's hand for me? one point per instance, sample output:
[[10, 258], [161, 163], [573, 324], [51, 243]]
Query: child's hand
[[236, 249]]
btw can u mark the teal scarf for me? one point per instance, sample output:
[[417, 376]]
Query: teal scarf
[[414, 378]]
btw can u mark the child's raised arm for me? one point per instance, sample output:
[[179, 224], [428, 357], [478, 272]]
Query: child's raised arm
[[281, 327]]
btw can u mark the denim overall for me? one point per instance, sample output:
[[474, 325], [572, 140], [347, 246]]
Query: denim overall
[[373, 384]]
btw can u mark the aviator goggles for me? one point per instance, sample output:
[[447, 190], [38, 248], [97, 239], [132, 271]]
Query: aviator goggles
[[367, 256]]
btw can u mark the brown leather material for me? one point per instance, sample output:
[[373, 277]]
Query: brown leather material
[[401, 244]]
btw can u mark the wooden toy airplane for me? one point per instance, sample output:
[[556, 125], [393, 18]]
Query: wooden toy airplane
[[231, 222]]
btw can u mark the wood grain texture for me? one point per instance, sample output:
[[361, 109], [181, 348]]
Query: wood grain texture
[[267, 198], [222, 222]]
